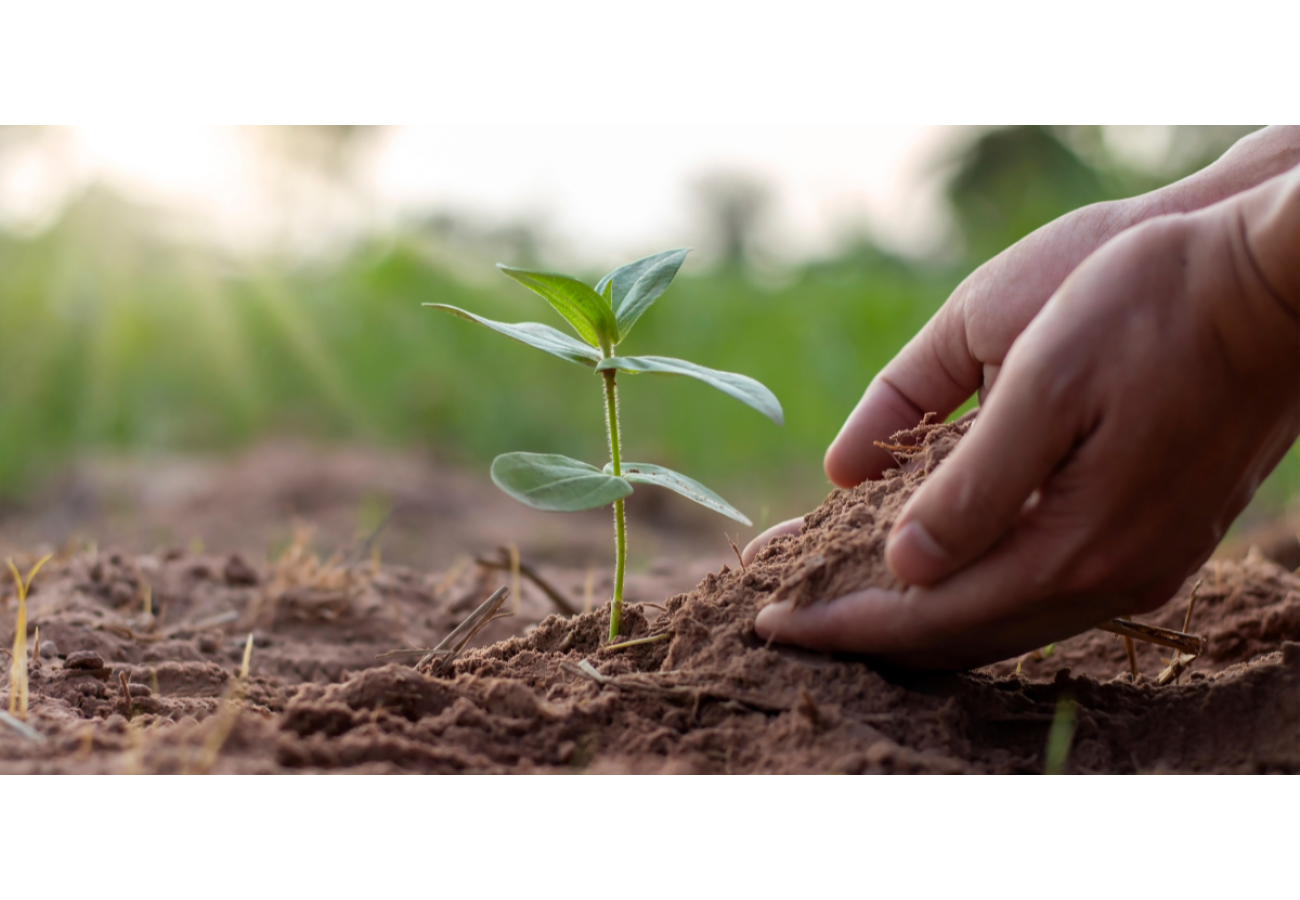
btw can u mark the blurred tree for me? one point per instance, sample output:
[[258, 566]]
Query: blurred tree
[[1010, 181], [733, 207]]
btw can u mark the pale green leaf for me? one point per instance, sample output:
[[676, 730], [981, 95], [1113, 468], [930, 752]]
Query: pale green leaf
[[543, 337], [644, 473], [556, 483], [745, 389], [586, 310], [633, 287]]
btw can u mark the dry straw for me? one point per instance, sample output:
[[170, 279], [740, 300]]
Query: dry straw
[[18, 663]]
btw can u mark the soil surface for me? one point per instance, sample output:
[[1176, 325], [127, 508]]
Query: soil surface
[[140, 655]]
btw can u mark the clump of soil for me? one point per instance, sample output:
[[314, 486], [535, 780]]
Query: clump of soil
[[125, 689], [842, 546]]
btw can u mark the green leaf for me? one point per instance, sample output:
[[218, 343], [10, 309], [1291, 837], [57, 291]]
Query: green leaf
[[632, 288], [644, 473], [745, 389], [543, 337], [586, 310], [556, 483]]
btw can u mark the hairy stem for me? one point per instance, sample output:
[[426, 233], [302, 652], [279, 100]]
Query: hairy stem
[[620, 529]]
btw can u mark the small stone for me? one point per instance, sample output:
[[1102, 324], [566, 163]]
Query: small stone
[[83, 659], [49, 649], [239, 573], [140, 690]]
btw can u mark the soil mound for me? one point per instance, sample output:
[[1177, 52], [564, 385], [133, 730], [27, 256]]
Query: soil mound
[[135, 685]]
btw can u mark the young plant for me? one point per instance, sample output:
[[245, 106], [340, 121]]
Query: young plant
[[18, 667], [603, 317]]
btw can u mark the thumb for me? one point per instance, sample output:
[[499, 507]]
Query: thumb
[[976, 495]]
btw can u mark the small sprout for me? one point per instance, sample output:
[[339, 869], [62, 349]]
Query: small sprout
[[18, 659], [603, 317]]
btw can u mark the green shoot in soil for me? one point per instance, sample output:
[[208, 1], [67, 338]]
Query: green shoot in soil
[[603, 318]]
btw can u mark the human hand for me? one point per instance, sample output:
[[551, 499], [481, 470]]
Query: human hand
[[1166, 366], [960, 350]]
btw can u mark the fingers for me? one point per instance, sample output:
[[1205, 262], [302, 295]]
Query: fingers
[[991, 611], [1029, 426], [935, 372], [754, 547]]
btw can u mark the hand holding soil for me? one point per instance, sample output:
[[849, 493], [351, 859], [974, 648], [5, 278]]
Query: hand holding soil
[[1148, 378]]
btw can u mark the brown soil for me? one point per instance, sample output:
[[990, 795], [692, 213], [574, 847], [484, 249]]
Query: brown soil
[[540, 693]]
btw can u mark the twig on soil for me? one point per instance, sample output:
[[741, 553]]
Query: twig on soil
[[505, 564], [451, 646], [1177, 666], [1152, 634], [1181, 661], [1132, 658], [21, 727], [688, 693], [652, 639], [1191, 605], [735, 550]]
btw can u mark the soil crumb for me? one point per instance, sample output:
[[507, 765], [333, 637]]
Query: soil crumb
[[140, 658]]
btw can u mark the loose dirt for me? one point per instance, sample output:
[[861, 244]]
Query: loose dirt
[[142, 653]]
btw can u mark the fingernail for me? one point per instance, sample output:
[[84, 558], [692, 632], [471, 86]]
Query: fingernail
[[769, 615], [910, 542]]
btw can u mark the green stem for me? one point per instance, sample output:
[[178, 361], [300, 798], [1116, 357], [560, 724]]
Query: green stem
[[620, 529]]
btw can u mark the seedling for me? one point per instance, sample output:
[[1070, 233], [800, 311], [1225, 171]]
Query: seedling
[[18, 663], [603, 317]]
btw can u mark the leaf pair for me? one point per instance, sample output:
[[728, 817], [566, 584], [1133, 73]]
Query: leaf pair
[[603, 317], [549, 481]]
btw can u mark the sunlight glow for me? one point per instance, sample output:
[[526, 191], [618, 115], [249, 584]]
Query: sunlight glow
[[224, 183]]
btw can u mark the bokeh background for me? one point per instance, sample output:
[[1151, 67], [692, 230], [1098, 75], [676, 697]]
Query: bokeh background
[[170, 291]]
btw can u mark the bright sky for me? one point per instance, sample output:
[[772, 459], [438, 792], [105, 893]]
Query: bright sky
[[600, 198]]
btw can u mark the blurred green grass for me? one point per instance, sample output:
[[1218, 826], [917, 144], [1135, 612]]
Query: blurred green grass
[[114, 337]]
